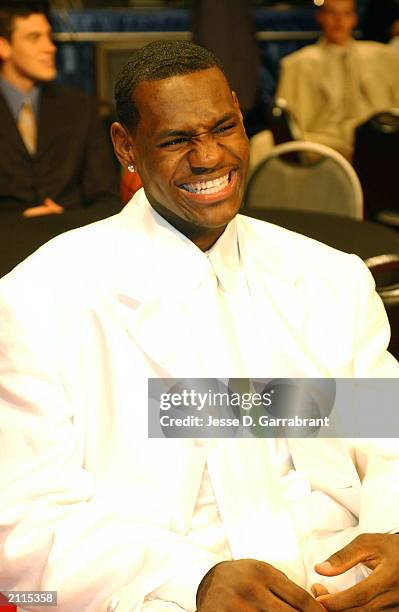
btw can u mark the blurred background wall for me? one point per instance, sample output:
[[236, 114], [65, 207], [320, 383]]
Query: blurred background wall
[[95, 37]]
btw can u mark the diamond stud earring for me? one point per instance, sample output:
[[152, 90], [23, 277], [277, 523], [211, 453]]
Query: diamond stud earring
[[131, 168]]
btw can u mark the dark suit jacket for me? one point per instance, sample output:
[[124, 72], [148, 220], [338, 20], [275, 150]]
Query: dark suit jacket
[[73, 163]]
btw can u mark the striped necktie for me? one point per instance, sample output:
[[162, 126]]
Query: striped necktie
[[351, 88], [27, 126]]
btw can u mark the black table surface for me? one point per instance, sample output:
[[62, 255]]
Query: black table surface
[[19, 237], [364, 238]]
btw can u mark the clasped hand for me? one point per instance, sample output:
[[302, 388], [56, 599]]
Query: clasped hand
[[248, 585], [47, 207], [380, 590]]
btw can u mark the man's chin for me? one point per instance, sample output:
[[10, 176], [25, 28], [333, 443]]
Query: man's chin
[[219, 214], [46, 76], [186, 214]]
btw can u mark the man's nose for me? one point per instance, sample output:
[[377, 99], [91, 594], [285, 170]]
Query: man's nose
[[50, 45], [205, 154]]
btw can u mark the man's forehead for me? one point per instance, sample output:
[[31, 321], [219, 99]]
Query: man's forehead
[[188, 93], [188, 80], [33, 21]]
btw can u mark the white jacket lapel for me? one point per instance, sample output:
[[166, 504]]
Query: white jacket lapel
[[152, 302], [160, 330], [330, 468], [281, 307], [255, 516]]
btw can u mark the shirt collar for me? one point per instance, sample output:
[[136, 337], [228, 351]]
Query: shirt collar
[[182, 265], [225, 257], [15, 98], [338, 50]]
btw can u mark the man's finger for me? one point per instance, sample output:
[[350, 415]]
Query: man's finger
[[319, 589], [386, 601], [359, 595], [55, 208], [295, 596], [277, 605], [37, 211], [43, 209], [357, 551]]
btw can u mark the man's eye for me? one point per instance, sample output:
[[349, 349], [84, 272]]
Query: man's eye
[[224, 128], [173, 143]]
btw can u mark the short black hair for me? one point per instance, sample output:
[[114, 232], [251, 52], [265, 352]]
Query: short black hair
[[10, 10], [155, 61], [322, 6]]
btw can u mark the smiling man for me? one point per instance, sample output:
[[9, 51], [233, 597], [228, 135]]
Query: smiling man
[[178, 285], [53, 153], [189, 147]]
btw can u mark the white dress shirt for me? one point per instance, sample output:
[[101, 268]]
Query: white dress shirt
[[221, 307]]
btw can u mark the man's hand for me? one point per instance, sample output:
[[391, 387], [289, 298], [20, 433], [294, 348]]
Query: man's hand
[[380, 590], [48, 207], [251, 586]]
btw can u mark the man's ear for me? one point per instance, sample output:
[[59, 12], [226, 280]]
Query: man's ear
[[5, 48], [236, 103], [123, 144]]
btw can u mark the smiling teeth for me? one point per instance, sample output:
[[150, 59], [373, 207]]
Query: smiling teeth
[[207, 187]]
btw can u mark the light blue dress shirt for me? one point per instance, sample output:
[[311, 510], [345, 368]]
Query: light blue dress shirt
[[16, 98]]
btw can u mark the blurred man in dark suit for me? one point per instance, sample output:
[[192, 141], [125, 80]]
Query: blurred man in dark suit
[[53, 152]]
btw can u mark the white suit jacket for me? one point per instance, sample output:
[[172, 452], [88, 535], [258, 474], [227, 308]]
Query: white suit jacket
[[92, 508], [306, 85]]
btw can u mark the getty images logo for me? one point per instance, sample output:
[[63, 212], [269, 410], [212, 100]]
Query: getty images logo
[[237, 407]]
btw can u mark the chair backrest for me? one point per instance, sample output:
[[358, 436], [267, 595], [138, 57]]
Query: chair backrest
[[282, 124], [375, 160], [320, 180], [385, 270]]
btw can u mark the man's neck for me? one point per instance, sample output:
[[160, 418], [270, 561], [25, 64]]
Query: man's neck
[[23, 84], [342, 45]]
